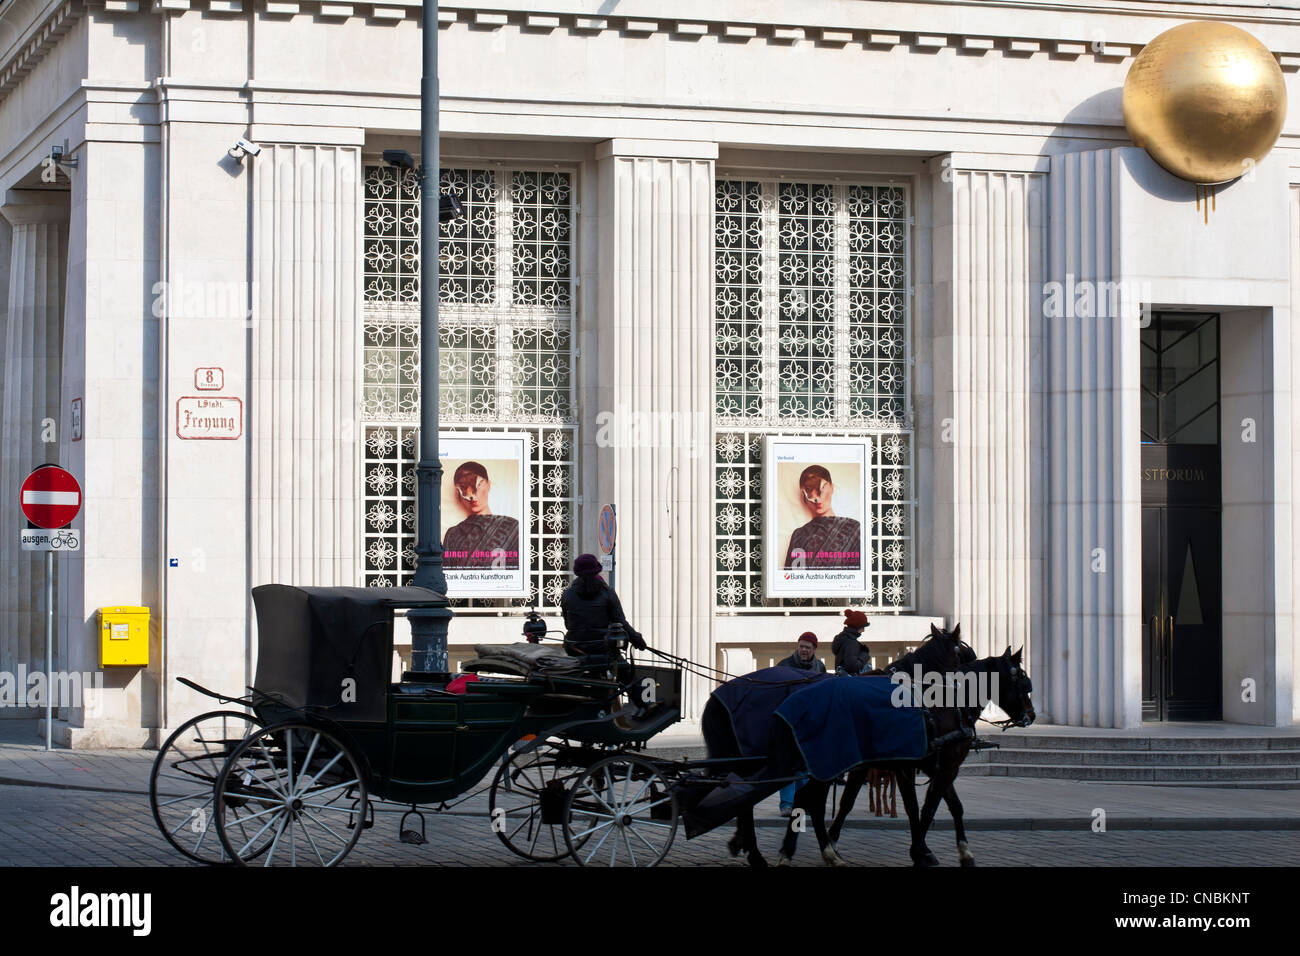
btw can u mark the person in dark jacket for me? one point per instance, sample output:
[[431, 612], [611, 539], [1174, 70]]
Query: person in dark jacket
[[805, 656], [852, 657], [590, 606]]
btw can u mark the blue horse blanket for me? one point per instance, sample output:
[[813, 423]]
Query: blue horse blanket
[[840, 723], [751, 701]]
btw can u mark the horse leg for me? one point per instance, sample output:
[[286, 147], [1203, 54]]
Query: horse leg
[[887, 779], [920, 853], [939, 785], [748, 837], [954, 807], [852, 787]]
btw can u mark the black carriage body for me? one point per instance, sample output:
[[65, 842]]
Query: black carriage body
[[325, 654]]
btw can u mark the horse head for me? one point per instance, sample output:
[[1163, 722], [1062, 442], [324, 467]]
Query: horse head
[[1014, 688]]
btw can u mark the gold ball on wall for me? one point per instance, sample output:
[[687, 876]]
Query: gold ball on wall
[[1205, 100]]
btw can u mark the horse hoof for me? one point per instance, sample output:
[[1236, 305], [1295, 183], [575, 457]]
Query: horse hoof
[[926, 859], [784, 860], [968, 861], [832, 858], [757, 861], [735, 845]]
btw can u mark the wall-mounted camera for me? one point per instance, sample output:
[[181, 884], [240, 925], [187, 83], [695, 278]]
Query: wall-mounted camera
[[244, 148]]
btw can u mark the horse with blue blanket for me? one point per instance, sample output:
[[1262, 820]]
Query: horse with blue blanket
[[744, 719], [1001, 680], [870, 730]]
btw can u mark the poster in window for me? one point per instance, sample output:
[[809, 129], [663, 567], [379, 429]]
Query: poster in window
[[485, 539], [815, 501]]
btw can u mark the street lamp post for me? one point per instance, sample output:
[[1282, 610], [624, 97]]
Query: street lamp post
[[429, 626]]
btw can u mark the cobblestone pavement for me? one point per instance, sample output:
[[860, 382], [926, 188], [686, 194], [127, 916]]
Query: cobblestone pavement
[[47, 827]]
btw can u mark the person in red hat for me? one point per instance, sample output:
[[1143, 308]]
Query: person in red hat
[[852, 657], [804, 657]]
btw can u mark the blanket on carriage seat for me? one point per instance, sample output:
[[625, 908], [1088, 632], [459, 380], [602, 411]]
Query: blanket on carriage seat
[[522, 658], [840, 723]]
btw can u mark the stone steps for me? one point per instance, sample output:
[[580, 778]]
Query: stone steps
[[1265, 762]]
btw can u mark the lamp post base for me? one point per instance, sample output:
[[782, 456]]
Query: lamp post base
[[429, 638]]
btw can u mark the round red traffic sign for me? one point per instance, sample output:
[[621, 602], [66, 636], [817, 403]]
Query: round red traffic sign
[[605, 529], [50, 497]]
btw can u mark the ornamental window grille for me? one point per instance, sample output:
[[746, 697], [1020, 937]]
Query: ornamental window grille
[[505, 321], [812, 321]]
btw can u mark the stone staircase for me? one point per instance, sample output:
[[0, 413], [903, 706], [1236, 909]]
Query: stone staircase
[[1177, 760]]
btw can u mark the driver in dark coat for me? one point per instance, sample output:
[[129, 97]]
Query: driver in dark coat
[[589, 606]]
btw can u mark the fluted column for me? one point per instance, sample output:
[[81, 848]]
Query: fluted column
[[32, 354], [653, 325], [1090, 674], [304, 391], [988, 262]]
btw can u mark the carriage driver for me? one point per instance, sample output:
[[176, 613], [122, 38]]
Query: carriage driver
[[590, 606]]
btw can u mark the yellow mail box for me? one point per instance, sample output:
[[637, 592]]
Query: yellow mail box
[[123, 636]]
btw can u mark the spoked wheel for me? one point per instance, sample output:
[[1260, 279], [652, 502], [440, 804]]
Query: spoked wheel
[[293, 795], [621, 812], [184, 777], [526, 805]]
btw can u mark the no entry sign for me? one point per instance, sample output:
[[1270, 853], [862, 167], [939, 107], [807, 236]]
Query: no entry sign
[[50, 497]]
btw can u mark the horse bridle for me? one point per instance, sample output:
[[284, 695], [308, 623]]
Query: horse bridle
[[1024, 687]]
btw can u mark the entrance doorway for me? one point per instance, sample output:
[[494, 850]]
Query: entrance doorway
[[1182, 610]]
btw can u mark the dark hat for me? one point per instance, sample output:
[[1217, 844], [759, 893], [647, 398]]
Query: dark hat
[[469, 468], [586, 564], [808, 636], [814, 471], [854, 618]]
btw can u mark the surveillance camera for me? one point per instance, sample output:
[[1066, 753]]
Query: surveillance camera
[[56, 153], [399, 158], [244, 148]]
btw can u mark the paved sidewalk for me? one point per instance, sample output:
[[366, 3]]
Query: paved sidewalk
[[990, 803]]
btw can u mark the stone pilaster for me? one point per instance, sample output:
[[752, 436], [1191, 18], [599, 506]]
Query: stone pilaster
[[648, 419], [987, 262], [31, 352], [303, 380]]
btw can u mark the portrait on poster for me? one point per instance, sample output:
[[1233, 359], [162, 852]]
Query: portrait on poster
[[815, 501], [484, 510]]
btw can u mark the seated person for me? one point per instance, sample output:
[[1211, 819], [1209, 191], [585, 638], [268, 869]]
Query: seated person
[[590, 606]]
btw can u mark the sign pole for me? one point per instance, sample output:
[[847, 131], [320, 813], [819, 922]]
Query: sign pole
[[49, 650]]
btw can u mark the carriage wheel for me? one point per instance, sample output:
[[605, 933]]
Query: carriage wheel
[[184, 776], [294, 793], [621, 812], [528, 791]]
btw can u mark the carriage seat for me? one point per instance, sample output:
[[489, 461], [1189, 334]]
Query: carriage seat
[[520, 659]]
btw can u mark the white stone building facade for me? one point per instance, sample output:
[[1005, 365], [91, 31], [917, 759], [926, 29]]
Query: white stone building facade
[[690, 226]]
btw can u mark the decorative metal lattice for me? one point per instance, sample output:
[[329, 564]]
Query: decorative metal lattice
[[505, 352], [812, 323], [811, 304], [738, 524]]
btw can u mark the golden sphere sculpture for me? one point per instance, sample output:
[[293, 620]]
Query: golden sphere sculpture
[[1206, 101]]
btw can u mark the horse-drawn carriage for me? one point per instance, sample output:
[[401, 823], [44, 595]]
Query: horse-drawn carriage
[[327, 738], [328, 735]]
